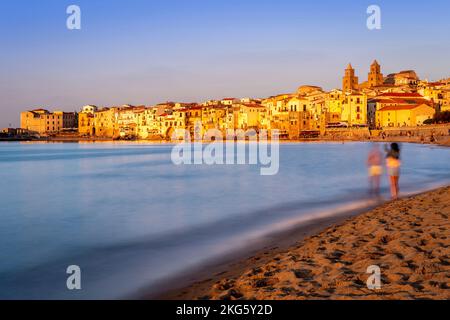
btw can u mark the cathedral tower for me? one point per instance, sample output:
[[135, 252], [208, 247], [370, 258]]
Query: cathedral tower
[[375, 77], [349, 81]]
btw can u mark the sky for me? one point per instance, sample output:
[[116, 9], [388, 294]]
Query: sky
[[144, 52]]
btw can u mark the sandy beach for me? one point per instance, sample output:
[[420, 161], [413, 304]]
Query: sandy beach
[[408, 239]]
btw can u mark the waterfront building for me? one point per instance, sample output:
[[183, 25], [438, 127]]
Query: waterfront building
[[437, 92], [392, 99], [213, 117], [354, 109], [86, 124], [252, 116], [171, 124], [86, 121], [298, 103], [193, 119], [317, 101], [127, 120], [334, 101], [43, 121], [349, 108], [404, 115], [445, 103], [148, 124], [105, 122]]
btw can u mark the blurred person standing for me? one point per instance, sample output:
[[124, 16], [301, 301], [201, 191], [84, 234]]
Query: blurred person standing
[[393, 167], [375, 169]]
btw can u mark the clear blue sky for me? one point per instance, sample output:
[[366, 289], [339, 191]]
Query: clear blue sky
[[145, 52]]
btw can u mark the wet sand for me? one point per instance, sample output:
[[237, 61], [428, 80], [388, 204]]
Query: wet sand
[[407, 238]]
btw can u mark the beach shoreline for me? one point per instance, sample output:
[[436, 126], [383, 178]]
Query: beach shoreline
[[327, 258], [235, 262], [440, 142]]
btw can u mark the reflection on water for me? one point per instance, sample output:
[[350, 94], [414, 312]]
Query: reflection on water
[[127, 216]]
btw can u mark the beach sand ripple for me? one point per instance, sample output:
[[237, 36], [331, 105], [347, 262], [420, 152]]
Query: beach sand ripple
[[408, 239]]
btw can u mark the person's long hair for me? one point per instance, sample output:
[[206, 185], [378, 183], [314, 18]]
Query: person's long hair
[[395, 147]]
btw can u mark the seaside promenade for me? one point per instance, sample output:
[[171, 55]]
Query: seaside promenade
[[435, 134]]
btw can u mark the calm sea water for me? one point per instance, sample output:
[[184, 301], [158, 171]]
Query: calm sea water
[[129, 217]]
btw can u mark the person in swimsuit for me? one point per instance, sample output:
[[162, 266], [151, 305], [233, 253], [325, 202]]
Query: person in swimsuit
[[393, 167], [375, 169]]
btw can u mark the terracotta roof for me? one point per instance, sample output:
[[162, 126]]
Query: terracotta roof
[[411, 100], [400, 94], [401, 101], [381, 100], [435, 83], [400, 107]]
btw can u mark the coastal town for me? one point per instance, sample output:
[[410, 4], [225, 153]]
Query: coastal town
[[225, 159], [397, 101]]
